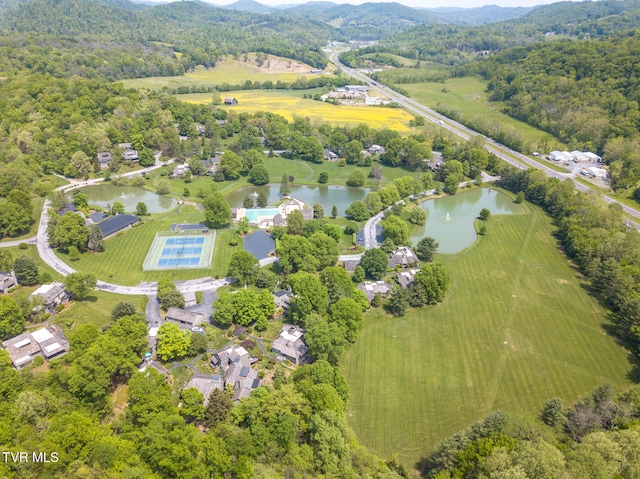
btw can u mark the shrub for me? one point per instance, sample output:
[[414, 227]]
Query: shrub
[[23, 246], [37, 361], [59, 308]]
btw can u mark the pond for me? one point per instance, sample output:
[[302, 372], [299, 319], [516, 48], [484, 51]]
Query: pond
[[327, 196], [450, 220], [106, 195]]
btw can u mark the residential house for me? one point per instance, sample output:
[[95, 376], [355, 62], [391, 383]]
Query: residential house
[[436, 163], [370, 289], [185, 318], [130, 155], [230, 100], [223, 359], [211, 165], [47, 342], [104, 158], [125, 146], [242, 378], [351, 265], [282, 299], [290, 343], [376, 149], [180, 170], [330, 155], [403, 256], [189, 299], [7, 280], [52, 295], [405, 278], [206, 385]]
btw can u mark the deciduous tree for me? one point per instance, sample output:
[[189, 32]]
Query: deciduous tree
[[173, 342]]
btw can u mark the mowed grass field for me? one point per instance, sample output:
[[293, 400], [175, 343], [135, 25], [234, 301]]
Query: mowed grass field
[[468, 95], [516, 329], [230, 71], [289, 104], [121, 262]]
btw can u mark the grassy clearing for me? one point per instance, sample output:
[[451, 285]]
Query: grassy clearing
[[32, 252], [516, 329], [96, 309], [229, 71], [468, 95], [121, 262], [282, 102]]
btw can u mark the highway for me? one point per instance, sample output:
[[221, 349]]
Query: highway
[[504, 153]]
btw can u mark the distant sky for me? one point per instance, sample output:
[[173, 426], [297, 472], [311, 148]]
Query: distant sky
[[419, 3]]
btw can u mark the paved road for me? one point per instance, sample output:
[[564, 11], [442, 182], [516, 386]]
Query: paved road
[[512, 157], [10, 244], [152, 313]]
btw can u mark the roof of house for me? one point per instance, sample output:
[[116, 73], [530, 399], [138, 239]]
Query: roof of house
[[289, 342], [403, 256], [242, 378], [206, 385], [351, 265], [405, 278], [97, 216], [46, 341], [116, 223], [189, 297], [183, 315], [49, 291], [104, 156], [371, 288]]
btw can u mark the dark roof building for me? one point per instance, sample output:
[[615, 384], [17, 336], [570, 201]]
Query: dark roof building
[[104, 157], [351, 265], [405, 278], [403, 256], [117, 223], [184, 317], [206, 385], [371, 288], [290, 344], [230, 101], [282, 299], [130, 155]]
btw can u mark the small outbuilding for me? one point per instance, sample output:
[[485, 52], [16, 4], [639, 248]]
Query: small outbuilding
[[185, 318]]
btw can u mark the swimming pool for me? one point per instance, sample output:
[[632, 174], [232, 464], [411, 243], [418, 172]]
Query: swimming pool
[[254, 214]]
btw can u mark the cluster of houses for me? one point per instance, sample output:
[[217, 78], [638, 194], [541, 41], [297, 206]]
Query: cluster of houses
[[235, 365], [354, 93], [403, 257], [210, 166], [128, 154]]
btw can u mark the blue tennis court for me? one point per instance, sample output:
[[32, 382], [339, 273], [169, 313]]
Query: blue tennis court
[[185, 241], [182, 251], [169, 251]]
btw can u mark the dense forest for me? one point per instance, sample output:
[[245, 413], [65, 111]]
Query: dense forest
[[584, 92], [452, 44], [199, 32], [596, 437]]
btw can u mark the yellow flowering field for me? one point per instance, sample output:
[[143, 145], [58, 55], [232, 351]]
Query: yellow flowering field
[[287, 104]]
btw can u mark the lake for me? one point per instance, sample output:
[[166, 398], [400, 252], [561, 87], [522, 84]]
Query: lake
[[450, 219], [106, 195], [327, 196]]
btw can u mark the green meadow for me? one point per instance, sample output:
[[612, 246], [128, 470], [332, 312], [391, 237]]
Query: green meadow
[[516, 329], [468, 95]]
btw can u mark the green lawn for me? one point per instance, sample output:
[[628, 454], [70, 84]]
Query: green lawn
[[517, 328], [96, 309], [121, 262], [468, 96], [32, 252]]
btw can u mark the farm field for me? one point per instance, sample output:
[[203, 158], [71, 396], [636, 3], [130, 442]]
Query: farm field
[[468, 96], [516, 329], [229, 71], [289, 104]]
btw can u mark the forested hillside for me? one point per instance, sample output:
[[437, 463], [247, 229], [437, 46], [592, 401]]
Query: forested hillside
[[93, 33], [584, 92], [454, 45]]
